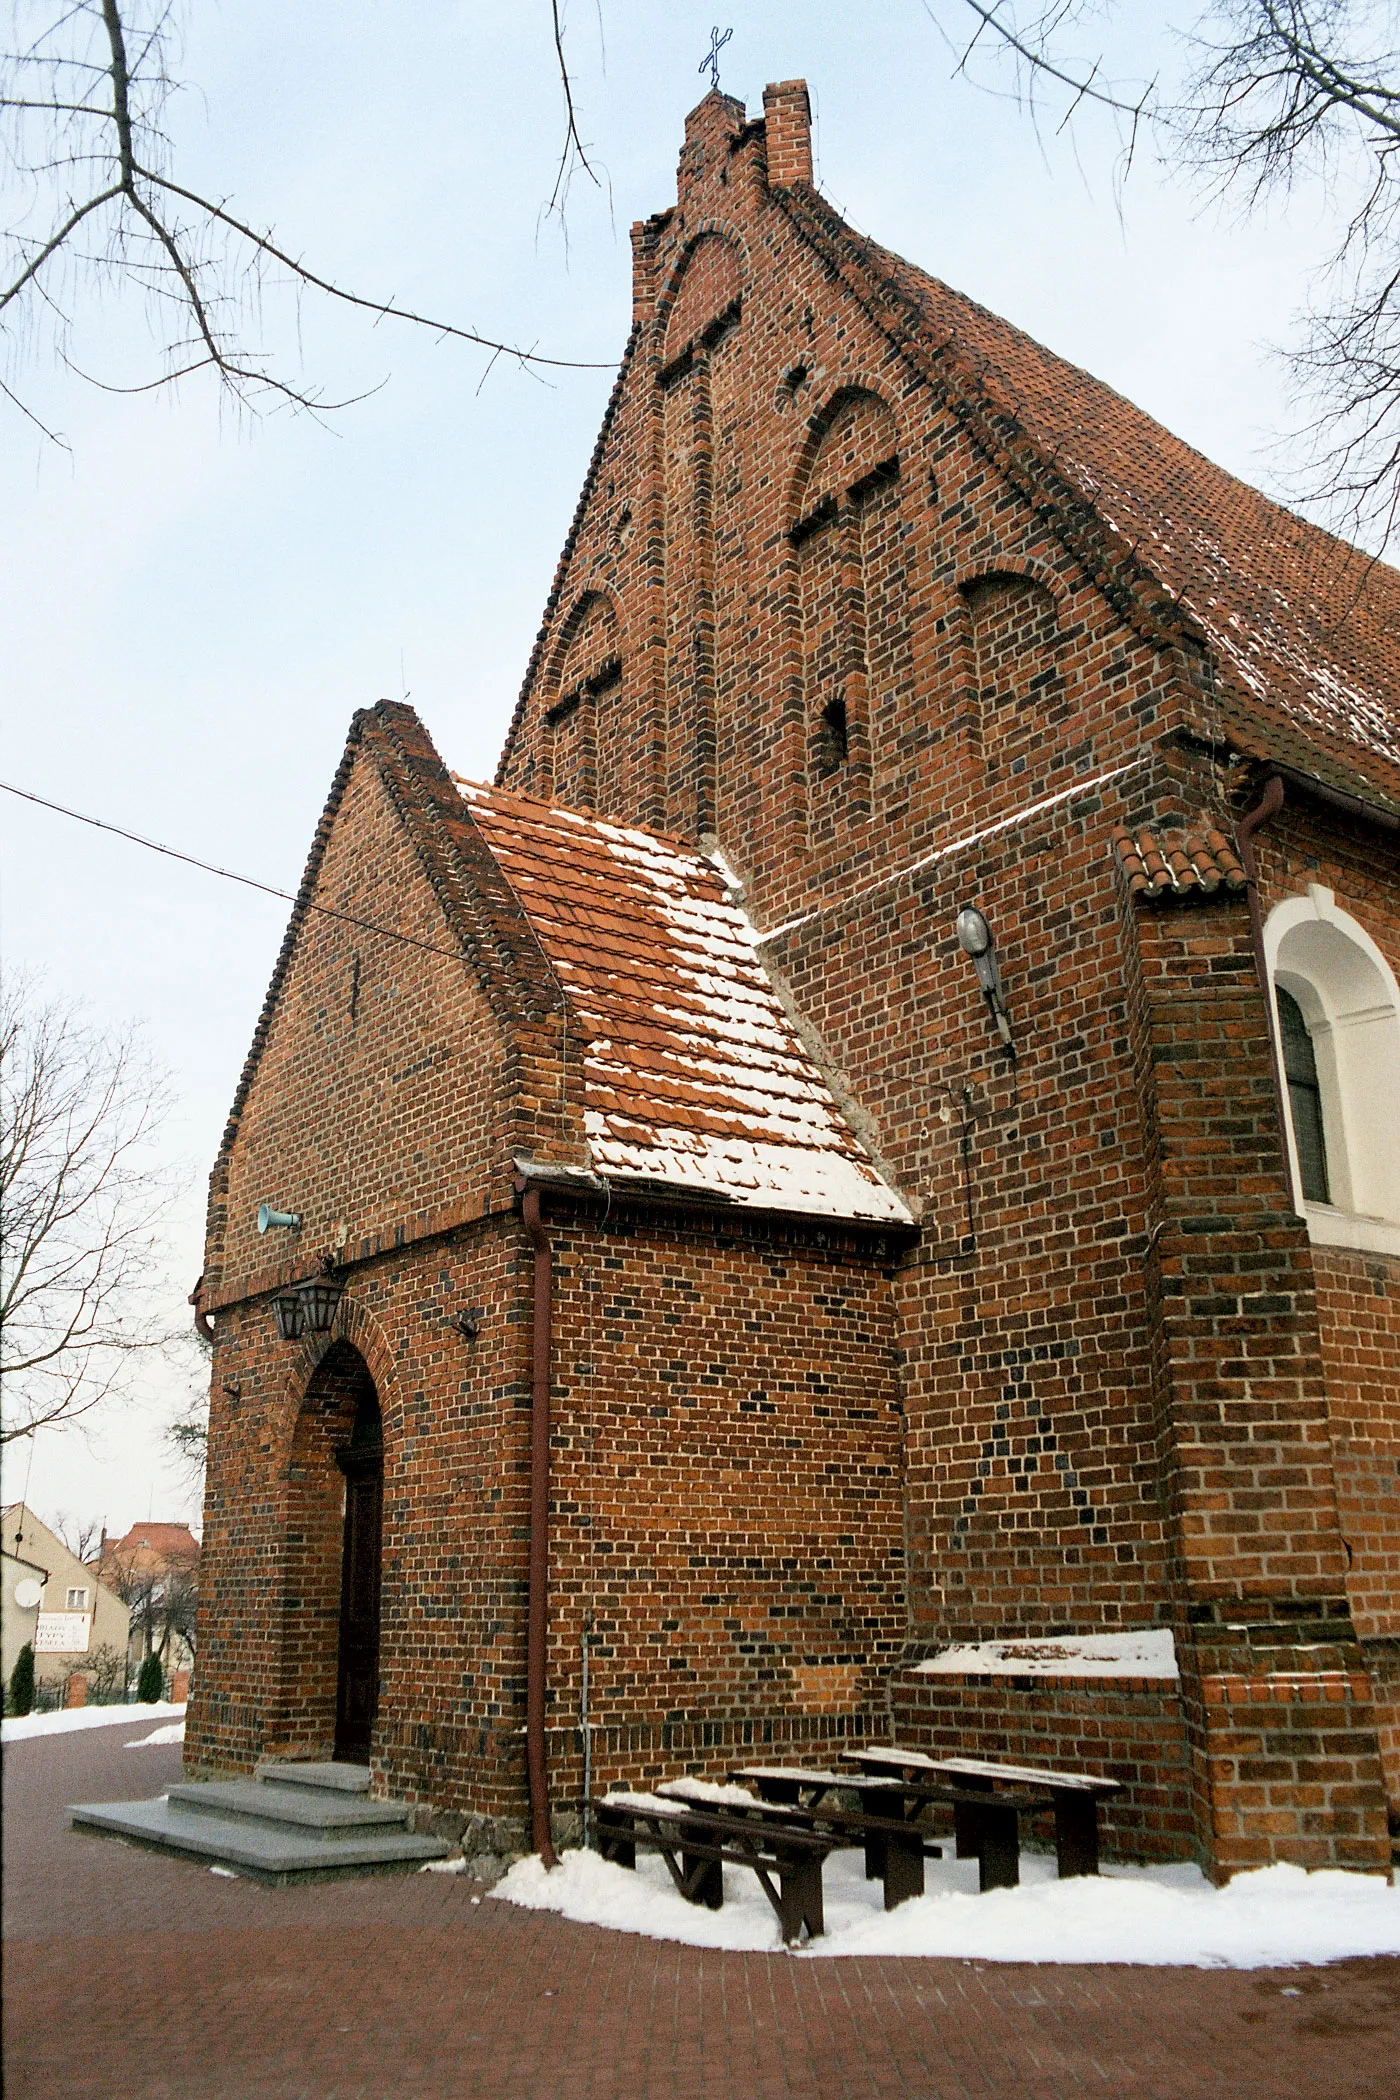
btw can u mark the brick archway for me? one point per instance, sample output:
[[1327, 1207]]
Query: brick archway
[[337, 1393]]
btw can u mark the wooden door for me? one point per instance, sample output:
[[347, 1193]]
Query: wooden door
[[357, 1687]]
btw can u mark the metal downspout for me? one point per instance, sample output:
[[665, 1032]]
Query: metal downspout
[[538, 1623], [1269, 805]]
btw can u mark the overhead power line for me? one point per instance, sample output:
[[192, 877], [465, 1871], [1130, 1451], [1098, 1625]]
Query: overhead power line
[[327, 911]]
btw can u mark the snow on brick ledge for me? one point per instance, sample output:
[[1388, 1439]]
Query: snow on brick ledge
[[1148, 1652]]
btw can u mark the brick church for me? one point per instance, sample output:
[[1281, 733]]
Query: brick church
[[735, 1303]]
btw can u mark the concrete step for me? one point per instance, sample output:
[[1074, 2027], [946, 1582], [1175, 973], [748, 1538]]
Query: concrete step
[[273, 1852], [345, 1779], [318, 1811]]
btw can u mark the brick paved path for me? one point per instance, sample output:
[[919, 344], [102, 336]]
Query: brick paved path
[[139, 1978]]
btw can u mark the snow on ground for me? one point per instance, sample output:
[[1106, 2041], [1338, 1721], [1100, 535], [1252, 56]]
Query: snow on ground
[[173, 1732], [1142, 1652], [1169, 1915], [20, 1727]]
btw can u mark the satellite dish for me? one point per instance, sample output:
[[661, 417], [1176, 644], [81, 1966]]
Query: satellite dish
[[28, 1592]]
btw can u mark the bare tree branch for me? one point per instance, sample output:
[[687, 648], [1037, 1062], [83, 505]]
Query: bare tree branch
[[183, 265], [574, 154], [1274, 93], [82, 1199]]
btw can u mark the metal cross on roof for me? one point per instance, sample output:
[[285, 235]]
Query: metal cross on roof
[[711, 58]]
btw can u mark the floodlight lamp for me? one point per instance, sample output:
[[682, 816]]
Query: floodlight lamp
[[974, 934]]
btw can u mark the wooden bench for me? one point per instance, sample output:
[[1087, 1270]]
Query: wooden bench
[[1073, 1796], [697, 1842], [885, 1824]]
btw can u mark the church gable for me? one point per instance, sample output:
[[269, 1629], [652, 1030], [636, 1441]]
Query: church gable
[[758, 629], [859, 566], [410, 1033]]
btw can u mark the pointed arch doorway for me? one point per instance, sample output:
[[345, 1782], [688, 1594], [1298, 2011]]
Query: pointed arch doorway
[[331, 1625], [357, 1669]]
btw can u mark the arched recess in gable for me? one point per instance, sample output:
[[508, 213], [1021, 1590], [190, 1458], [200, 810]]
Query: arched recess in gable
[[580, 696], [1013, 633], [849, 604], [696, 376], [705, 301]]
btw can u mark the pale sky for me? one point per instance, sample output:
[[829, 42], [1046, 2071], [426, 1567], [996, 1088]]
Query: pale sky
[[193, 605]]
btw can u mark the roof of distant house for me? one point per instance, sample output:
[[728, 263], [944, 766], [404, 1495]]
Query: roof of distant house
[[1305, 628], [695, 1077], [166, 1542]]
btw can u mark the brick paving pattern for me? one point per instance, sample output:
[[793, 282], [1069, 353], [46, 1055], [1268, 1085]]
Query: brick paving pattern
[[133, 1975]]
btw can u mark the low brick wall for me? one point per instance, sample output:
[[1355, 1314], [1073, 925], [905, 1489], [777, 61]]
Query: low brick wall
[[1132, 1728]]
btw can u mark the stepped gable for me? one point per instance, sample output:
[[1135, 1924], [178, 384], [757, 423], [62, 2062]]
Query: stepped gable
[[1304, 627], [1160, 865], [694, 1077]]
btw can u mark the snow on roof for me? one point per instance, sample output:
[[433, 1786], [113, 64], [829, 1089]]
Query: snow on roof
[[1306, 628], [694, 1075]]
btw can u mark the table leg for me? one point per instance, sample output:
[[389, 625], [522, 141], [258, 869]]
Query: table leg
[[873, 1805], [615, 1840], [904, 1867], [1000, 1848], [967, 1829], [704, 1878], [800, 1894], [1076, 1834]]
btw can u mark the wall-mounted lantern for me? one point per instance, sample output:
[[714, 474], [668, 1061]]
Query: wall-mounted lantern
[[286, 1307], [975, 939], [319, 1299]]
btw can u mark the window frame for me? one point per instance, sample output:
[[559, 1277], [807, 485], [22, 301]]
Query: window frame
[[1358, 1080]]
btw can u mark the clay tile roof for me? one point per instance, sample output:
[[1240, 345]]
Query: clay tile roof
[[1305, 629], [1160, 865], [694, 1075]]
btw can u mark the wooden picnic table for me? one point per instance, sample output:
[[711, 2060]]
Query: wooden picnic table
[[1073, 1796], [698, 1841], [886, 1823]]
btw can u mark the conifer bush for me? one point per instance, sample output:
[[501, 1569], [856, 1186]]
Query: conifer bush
[[21, 1699], [151, 1682]]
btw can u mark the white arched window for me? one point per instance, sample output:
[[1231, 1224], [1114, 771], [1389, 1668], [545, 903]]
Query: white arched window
[[1338, 1009]]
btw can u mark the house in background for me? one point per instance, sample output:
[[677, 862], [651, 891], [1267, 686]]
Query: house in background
[[155, 1569], [75, 1621]]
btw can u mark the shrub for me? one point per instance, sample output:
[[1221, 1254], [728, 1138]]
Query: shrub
[[21, 1699], [151, 1683]]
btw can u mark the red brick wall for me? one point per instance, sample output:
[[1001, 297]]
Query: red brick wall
[[725, 1507], [1130, 1729], [1359, 1309], [1113, 1377], [455, 1423], [726, 1476]]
